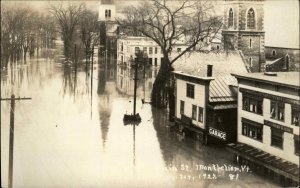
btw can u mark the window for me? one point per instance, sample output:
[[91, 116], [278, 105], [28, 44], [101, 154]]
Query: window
[[181, 107], [155, 61], [145, 49], [136, 49], [252, 104], [251, 19], [150, 61], [250, 43], [107, 13], [190, 90], [252, 131], [122, 47], [200, 114], [194, 112], [178, 49], [218, 47], [155, 50], [250, 61], [274, 53], [230, 18], [150, 50], [295, 116], [296, 140], [276, 138], [277, 110]]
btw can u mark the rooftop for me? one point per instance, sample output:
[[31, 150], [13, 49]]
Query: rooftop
[[221, 90], [291, 79]]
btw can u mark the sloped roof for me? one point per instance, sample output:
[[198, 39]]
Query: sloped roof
[[224, 64]]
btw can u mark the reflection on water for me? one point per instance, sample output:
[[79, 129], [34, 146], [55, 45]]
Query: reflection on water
[[71, 134]]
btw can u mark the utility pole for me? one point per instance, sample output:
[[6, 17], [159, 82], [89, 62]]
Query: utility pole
[[135, 85], [11, 136]]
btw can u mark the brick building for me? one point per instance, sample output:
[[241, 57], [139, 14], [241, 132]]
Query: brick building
[[244, 30]]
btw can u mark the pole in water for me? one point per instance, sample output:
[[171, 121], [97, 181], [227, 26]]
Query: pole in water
[[135, 83], [11, 142]]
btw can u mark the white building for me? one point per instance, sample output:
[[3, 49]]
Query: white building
[[268, 121], [206, 99], [128, 46]]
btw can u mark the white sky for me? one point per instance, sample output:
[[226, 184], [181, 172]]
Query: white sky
[[282, 23]]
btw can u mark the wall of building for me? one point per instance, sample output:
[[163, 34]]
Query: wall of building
[[198, 100], [288, 151]]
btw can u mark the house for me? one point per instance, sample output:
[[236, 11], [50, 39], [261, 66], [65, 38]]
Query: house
[[206, 95], [268, 123]]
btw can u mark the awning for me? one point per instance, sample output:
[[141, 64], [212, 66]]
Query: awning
[[222, 106], [272, 162]]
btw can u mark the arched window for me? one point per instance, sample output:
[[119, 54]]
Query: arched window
[[251, 19], [286, 62], [230, 18], [274, 53], [250, 61]]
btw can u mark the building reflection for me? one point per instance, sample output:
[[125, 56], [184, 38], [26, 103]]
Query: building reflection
[[106, 91], [125, 82]]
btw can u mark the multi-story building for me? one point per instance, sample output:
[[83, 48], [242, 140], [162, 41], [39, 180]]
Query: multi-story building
[[244, 30], [128, 46], [268, 123], [206, 95]]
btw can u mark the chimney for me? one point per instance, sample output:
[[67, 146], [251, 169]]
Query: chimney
[[209, 70]]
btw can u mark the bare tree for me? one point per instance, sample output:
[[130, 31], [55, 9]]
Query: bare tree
[[169, 23], [68, 18], [89, 33]]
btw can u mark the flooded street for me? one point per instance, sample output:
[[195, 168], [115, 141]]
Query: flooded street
[[71, 134]]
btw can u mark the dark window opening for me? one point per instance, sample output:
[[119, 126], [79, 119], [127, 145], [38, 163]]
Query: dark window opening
[[276, 138], [274, 53], [230, 18], [181, 107], [200, 114], [190, 89], [194, 112]]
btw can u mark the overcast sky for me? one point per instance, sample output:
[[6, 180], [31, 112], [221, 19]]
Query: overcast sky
[[281, 19]]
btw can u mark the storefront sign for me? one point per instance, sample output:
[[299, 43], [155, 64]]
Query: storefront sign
[[216, 133], [277, 126]]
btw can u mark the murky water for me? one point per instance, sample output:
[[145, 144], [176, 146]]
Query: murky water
[[71, 134]]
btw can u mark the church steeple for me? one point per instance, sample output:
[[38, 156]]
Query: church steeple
[[244, 30]]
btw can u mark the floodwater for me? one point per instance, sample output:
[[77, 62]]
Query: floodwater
[[71, 134]]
